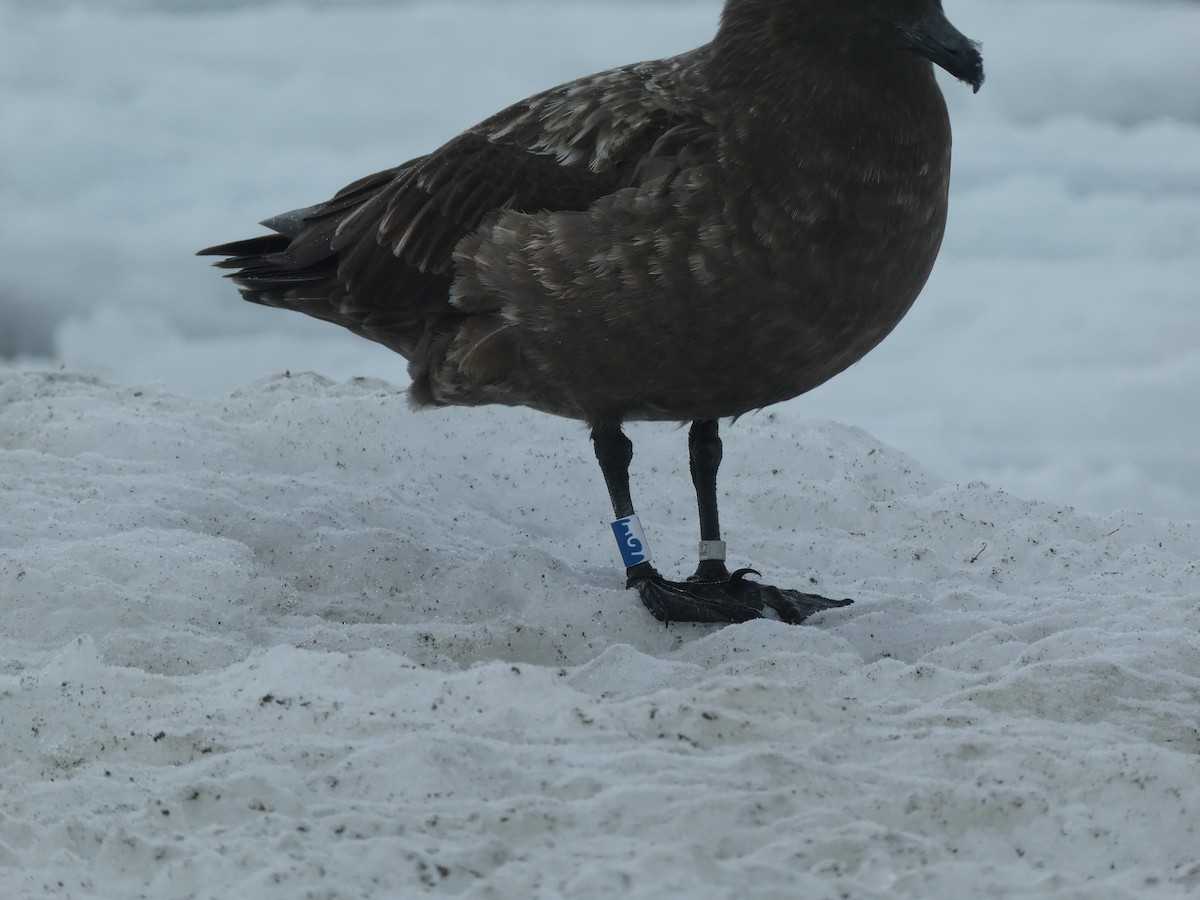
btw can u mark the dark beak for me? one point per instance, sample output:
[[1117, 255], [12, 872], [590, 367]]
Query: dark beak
[[943, 44]]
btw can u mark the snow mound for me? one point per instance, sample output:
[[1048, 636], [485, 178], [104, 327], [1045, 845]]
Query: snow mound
[[299, 641]]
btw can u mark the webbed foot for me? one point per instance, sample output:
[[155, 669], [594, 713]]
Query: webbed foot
[[733, 599]]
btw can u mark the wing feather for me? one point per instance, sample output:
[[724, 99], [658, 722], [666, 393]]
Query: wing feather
[[378, 256]]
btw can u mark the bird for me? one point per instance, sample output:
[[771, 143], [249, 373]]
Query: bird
[[683, 240]]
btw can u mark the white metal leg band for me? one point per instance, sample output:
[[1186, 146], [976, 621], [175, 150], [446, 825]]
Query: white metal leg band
[[712, 550]]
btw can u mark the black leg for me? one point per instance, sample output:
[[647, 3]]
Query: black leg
[[713, 595], [704, 456], [614, 452]]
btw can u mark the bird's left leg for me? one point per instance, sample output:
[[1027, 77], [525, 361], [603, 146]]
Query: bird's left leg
[[712, 594], [704, 458], [704, 455], [668, 601]]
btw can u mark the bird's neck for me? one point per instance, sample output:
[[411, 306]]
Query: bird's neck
[[772, 90]]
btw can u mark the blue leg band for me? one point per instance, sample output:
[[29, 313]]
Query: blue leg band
[[631, 541]]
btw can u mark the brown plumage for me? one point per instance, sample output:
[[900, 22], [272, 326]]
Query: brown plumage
[[685, 239]]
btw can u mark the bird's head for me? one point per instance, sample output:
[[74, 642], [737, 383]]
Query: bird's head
[[866, 34], [926, 30]]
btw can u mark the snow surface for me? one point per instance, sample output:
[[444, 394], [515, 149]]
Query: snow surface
[[276, 636]]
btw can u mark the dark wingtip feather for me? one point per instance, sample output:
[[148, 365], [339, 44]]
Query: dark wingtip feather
[[289, 223], [255, 246]]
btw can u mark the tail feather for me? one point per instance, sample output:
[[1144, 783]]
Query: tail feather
[[264, 266], [299, 268], [248, 249]]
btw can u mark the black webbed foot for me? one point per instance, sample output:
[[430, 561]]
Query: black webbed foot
[[734, 599]]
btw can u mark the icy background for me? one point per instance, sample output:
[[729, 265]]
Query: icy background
[[272, 635]]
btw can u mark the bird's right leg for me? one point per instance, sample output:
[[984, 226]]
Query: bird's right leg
[[668, 601], [614, 452], [712, 594]]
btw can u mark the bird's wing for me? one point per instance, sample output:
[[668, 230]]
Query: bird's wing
[[559, 150], [377, 258]]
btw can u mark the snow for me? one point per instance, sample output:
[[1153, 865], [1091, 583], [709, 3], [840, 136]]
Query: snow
[[274, 635]]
